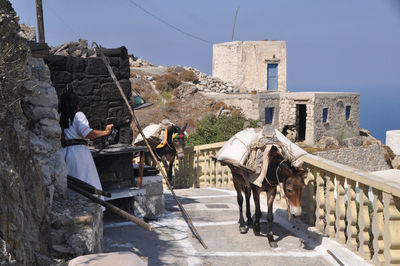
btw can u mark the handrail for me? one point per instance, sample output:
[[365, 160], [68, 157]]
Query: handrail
[[355, 174]]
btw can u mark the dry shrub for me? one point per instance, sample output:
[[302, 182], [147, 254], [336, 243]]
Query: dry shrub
[[168, 82], [161, 85], [173, 104], [236, 112], [219, 104], [173, 80], [171, 69], [191, 122], [187, 75]]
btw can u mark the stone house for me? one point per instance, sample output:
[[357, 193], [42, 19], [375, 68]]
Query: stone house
[[259, 69]]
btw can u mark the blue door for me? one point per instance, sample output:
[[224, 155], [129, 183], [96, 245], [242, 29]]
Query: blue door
[[272, 77]]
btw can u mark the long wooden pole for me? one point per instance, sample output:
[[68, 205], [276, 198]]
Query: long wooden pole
[[87, 187], [111, 207], [234, 23], [186, 215], [40, 23]]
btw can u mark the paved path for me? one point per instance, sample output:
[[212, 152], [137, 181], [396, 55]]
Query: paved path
[[214, 212]]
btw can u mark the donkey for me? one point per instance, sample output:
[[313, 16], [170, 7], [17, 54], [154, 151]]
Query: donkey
[[166, 152], [280, 170]]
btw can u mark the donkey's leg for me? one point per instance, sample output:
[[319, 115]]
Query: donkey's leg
[[256, 197], [271, 193], [238, 188], [249, 222], [166, 167], [170, 166]]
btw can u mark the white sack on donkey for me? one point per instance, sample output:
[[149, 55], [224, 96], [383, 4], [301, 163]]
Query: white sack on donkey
[[289, 150], [237, 148]]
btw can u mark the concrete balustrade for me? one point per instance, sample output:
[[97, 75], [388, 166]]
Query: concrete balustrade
[[197, 169], [357, 218], [357, 209]]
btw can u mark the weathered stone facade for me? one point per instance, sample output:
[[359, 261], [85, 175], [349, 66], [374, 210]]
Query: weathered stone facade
[[100, 99], [337, 124], [367, 158], [245, 64]]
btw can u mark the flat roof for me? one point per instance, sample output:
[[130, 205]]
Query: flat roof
[[312, 94]]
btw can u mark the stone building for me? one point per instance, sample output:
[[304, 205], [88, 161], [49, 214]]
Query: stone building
[[259, 68], [256, 65]]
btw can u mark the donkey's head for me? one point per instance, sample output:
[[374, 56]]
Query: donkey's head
[[291, 177], [178, 139]]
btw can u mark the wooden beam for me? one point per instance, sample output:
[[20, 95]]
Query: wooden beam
[[39, 17]]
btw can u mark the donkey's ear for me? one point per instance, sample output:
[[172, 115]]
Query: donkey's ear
[[273, 148], [184, 127], [174, 127], [303, 173]]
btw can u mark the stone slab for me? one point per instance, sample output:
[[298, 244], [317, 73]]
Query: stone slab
[[105, 259]]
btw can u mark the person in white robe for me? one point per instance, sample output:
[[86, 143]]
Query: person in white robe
[[76, 129]]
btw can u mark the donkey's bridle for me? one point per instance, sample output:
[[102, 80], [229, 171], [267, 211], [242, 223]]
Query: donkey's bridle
[[278, 185]]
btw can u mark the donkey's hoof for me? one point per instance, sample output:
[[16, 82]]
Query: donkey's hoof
[[256, 232], [273, 244], [249, 223], [243, 229]]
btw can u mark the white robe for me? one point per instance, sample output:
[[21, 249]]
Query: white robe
[[78, 159]]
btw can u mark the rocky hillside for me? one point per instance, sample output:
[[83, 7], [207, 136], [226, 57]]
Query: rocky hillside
[[174, 93]]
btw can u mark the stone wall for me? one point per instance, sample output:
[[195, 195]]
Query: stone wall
[[336, 125], [100, 98], [244, 64], [367, 158], [268, 100], [247, 102], [32, 168], [24, 196]]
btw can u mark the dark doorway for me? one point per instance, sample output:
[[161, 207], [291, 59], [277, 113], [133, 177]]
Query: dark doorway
[[301, 118]]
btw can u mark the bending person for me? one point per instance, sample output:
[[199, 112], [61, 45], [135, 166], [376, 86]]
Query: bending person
[[75, 131]]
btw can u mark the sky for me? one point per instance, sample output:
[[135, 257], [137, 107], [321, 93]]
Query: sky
[[341, 45]]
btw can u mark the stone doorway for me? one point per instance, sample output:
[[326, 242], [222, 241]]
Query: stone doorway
[[301, 118]]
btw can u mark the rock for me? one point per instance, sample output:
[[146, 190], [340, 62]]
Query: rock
[[327, 141], [124, 258]]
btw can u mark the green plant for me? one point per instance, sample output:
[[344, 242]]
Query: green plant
[[214, 129]]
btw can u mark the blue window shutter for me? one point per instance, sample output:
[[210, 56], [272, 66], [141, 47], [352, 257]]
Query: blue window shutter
[[324, 115], [348, 108], [269, 115], [272, 76]]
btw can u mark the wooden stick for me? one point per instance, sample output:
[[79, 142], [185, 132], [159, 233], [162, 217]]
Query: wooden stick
[[89, 188], [111, 207], [141, 170], [185, 214]]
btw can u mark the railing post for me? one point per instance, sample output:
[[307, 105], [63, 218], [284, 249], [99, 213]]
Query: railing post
[[363, 222], [377, 228], [320, 199], [330, 206], [351, 216], [340, 210], [391, 233]]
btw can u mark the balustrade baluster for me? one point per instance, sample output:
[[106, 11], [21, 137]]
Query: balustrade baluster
[[351, 216], [391, 232], [377, 228], [320, 199], [340, 210], [330, 205], [363, 222]]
